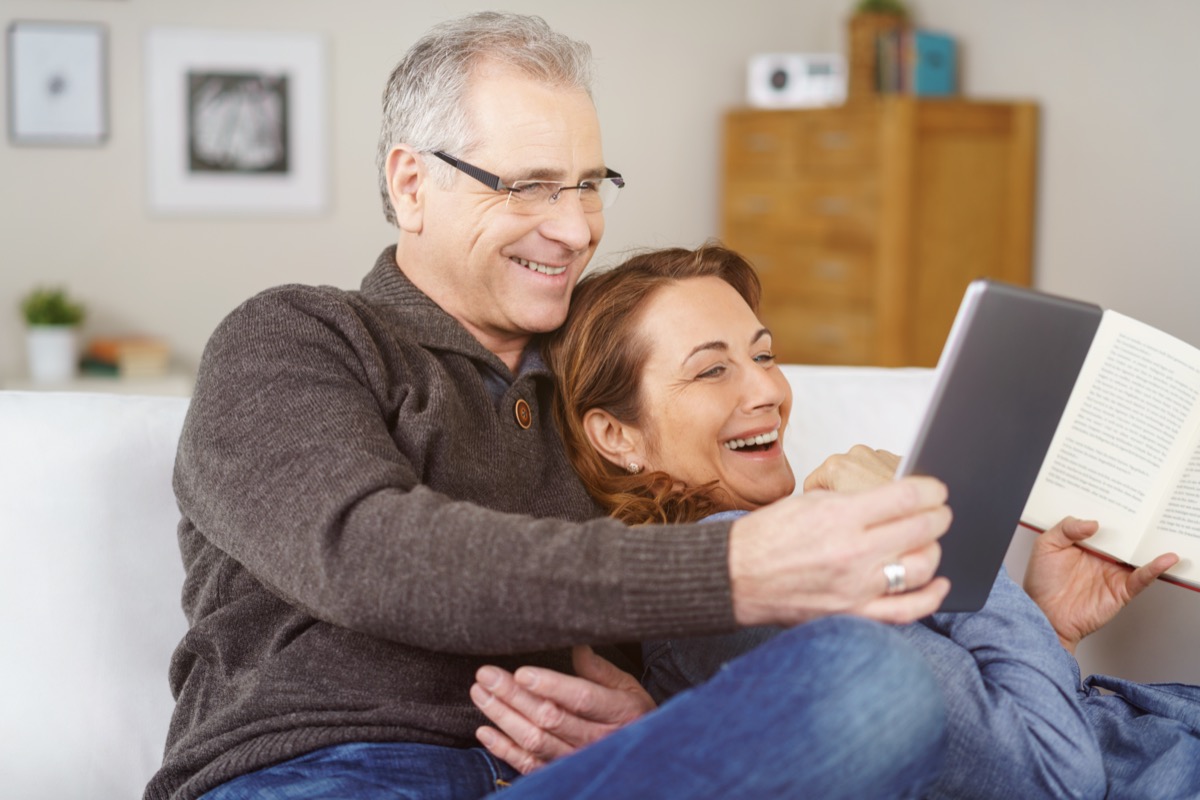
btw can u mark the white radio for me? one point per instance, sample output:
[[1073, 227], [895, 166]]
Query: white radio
[[796, 80]]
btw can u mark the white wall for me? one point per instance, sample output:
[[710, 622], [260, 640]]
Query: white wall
[[1120, 169], [1119, 173], [79, 216]]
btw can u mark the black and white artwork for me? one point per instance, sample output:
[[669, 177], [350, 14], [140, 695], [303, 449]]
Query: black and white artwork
[[57, 92], [237, 122]]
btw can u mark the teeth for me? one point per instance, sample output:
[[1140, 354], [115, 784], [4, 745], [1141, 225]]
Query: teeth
[[765, 438], [542, 268]]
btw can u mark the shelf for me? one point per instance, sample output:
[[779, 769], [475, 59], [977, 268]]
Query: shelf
[[173, 384]]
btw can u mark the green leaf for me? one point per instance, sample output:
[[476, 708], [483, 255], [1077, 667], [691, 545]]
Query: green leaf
[[51, 307]]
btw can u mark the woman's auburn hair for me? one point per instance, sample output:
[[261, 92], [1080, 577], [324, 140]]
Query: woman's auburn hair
[[597, 358]]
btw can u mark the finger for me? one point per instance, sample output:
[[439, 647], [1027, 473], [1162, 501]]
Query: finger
[[591, 666], [897, 500], [1075, 530], [1147, 574], [890, 458], [571, 712], [516, 694], [566, 692], [901, 609], [507, 751], [919, 567], [908, 534], [580, 695], [859, 468], [523, 728]]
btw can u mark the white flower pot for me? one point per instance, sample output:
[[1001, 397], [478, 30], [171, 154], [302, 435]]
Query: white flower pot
[[53, 352]]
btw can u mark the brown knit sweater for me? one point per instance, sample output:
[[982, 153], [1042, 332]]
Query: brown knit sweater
[[363, 525]]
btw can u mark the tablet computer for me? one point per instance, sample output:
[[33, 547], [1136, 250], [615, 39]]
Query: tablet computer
[[1002, 382]]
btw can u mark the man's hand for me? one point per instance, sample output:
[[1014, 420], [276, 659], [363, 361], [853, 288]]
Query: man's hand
[[1078, 591], [541, 715], [824, 553]]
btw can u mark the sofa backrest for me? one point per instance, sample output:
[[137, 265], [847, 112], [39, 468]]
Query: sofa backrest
[[91, 575]]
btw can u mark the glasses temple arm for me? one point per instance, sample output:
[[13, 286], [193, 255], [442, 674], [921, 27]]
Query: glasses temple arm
[[483, 176]]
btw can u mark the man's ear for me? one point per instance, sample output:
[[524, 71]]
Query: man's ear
[[406, 178], [617, 442]]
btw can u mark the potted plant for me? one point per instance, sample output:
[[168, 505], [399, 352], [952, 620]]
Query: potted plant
[[870, 19], [52, 334]]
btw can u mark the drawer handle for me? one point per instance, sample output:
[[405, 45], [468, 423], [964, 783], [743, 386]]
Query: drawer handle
[[835, 140], [761, 143], [833, 205], [762, 264], [830, 270], [757, 204], [829, 335]]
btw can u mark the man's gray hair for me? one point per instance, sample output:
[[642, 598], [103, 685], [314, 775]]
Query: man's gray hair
[[423, 104]]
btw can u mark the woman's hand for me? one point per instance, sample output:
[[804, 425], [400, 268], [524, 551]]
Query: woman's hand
[[1078, 591], [541, 715], [859, 468]]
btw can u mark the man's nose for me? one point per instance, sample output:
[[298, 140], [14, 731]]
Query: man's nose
[[566, 221]]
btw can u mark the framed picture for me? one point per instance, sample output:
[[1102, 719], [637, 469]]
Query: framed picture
[[237, 122], [57, 83]]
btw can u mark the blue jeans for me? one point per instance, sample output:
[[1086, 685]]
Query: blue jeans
[[838, 708], [1150, 734], [1015, 726], [1020, 723]]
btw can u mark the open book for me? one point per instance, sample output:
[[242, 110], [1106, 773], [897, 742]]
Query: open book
[[1127, 449]]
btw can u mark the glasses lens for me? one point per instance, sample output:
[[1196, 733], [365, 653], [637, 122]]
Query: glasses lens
[[529, 195], [608, 191], [532, 196]]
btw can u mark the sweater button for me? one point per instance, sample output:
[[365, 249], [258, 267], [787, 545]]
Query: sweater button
[[524, 415]]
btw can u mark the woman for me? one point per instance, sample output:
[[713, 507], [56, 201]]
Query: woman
[[673, 410]]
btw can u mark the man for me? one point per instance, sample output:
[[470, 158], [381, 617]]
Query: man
[[375, 504]]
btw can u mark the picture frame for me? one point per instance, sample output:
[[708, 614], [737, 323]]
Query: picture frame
[[236, 122], [57, 83]]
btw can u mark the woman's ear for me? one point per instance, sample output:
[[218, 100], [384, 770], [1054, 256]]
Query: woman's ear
[[617, 442], [406, 187]]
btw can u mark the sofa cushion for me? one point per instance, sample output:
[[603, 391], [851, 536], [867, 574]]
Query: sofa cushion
[[90, 592]]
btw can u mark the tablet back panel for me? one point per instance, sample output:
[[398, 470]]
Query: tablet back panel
[[1002, 383]]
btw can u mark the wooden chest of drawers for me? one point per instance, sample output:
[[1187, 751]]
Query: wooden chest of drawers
[[867, 221]]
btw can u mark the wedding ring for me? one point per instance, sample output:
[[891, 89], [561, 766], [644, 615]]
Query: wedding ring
[[896, 576]]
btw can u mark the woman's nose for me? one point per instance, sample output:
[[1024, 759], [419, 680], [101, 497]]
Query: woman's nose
[[763, 389]]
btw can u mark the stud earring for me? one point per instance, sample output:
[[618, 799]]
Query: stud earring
[[634, 468]]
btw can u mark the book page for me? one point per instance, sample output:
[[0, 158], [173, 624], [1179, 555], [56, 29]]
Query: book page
[[1176, 528], [1125, 431]]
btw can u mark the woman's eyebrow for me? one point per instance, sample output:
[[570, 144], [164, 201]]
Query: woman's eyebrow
[[714, 345]]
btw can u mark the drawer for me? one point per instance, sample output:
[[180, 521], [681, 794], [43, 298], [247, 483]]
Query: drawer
[[792, 271], [761, 144], [839, 144], [805, 334], [809, 208], [785, 144]]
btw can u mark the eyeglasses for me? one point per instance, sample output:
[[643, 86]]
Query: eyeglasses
[[528, 197]]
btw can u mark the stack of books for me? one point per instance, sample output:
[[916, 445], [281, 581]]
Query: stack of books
[[917, 62], [126, 357]]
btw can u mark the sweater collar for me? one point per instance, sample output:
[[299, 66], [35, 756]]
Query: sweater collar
[[386, 286]]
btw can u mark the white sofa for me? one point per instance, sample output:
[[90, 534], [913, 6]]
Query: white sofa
[[91, 574]]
